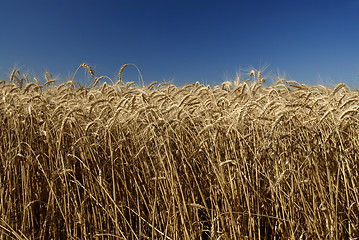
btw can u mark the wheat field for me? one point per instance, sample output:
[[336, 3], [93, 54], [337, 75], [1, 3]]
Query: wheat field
[[123, 161]]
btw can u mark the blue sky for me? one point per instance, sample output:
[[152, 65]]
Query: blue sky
[[310, 41]]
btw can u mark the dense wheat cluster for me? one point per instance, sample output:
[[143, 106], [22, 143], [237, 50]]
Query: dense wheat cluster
[[121, 161]]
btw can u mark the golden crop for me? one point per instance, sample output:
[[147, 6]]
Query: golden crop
[[120, 161]]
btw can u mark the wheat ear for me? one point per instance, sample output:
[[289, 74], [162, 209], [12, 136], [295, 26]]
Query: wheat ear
[[123, 68], [87, 67], [338, 87]]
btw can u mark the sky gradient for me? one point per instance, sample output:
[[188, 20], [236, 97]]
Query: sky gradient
[[313, 42]]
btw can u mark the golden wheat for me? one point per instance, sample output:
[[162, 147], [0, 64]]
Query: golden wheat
[[119, 161]]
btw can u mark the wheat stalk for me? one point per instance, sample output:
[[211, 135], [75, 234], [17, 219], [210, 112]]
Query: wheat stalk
[[87, 67], [123, 68], [338, 87]]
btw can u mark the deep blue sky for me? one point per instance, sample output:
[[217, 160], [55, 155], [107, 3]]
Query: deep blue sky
[[314, 42]]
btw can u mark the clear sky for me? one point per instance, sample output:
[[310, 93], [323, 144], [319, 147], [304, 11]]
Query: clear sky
[[311, 41]]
